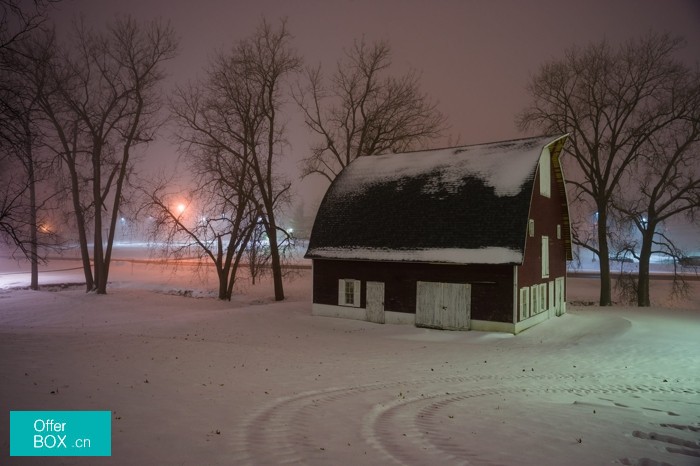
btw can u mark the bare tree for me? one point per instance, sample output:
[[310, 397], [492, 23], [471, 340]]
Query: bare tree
[[611, 102], [269, 60], [23, 202], [23, 221], [215, 220], [101, 100], [364, 111], [663, 183], [238, 116]]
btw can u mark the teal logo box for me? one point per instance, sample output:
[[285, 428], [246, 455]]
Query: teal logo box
[[60, 433]]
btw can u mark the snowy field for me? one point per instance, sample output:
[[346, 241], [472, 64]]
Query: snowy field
[[194, 381]]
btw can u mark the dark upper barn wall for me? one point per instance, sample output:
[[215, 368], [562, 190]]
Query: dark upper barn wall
[[491, 285]]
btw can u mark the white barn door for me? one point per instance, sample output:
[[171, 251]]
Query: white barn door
[[428, 304], [375, 302], [443, 305]]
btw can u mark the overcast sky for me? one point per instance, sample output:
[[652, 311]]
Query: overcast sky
[[475, 57]]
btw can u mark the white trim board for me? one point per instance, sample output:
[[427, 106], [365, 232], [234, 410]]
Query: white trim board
[[344, 312], [355, 313], [403, 318]]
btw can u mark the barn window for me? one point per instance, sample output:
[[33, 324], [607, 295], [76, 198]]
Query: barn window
[[349, 292], [534, 300], [558, 231], [543, 297], [545, 256], [545, 173], [524, 303], [531, 227]]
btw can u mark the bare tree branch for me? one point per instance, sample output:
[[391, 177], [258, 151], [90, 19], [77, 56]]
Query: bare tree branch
[[364, 112]]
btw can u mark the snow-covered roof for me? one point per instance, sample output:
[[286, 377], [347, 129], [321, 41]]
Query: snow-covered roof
[[460, 205], [495, 164]]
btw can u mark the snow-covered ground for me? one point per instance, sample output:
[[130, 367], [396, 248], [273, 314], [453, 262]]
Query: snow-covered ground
[[196, 381]]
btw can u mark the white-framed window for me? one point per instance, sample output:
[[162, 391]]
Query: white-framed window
[[531, 227], [543, 297], [534, 299], [545, 173], [349, 292], [524, 302], [545, 257]]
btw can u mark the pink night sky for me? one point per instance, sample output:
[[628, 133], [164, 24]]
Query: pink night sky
[[475, 57]]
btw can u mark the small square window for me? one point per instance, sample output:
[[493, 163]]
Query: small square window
[[524, 302], [349, 292]]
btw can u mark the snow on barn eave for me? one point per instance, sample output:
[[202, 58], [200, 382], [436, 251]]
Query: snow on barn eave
[[496, 256], [461, 205]]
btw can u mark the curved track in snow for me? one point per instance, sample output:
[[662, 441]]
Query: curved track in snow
[[437, 421]]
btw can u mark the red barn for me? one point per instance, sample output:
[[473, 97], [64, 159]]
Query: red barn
[[474, 237]]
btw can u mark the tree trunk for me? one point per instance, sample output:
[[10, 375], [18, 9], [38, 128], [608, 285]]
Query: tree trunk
[[34, 251], [234, 271], [33, 239], [231, 282], [276, 263], [223, 284], [98, 257], [643, 297], [84, 251], [223, 267], [123, 169], [604, 259], [98, 251], [80, 224]]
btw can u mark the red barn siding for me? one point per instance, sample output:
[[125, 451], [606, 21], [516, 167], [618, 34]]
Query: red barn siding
[[491, 285], [547, 213]]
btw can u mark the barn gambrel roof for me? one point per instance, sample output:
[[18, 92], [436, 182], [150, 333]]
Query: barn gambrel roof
[[464, 205]]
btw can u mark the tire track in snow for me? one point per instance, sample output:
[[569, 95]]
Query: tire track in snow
[[402, 429]]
